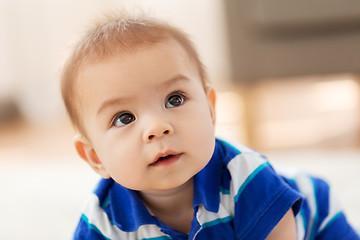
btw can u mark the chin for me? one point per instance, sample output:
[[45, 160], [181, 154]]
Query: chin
[[174, 185]]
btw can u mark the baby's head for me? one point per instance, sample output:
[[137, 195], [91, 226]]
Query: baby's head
[[117, 35], [137, 92]]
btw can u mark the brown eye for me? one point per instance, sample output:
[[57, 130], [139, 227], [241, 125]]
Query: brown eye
[[122, 119], [174, 100]]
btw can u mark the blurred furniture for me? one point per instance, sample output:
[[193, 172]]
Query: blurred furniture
[[296, 65], [280, 38]]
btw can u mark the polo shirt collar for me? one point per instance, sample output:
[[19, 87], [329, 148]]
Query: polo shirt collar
[[207, 182], [134, 213]]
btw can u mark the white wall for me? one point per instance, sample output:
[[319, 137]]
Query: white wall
[[34, 36]]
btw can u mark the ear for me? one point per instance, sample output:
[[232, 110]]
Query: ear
[[85, 150], [211, 95]]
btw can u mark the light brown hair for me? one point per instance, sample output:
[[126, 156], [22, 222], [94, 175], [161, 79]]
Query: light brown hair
[[118, 34]]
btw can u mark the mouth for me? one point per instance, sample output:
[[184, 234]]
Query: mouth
[[165, 159]]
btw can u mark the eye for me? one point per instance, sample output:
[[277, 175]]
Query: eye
[[174, 100], [122, 119]]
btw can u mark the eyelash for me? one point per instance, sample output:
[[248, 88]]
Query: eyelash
[[119, 115], [131, 117], [173, 94]]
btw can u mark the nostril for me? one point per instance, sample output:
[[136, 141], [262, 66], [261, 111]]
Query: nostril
[[153, 136]]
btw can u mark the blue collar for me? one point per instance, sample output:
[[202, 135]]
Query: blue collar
[[128, 212], [207, 182]]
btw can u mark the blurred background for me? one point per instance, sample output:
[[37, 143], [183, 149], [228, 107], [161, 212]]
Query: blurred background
[[286, 71]]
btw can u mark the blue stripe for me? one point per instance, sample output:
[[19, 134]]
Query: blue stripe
[[292, 180], [224, 191], [106, 203], [336, 216], [249, 178], [92, 226], [305, 222], [217, 221], [230, 146], [316, 217]]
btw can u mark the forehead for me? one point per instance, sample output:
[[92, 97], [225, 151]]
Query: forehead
[[127, 72], [163, 56]]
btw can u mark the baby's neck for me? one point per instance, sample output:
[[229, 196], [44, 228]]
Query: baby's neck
[[173, 207]]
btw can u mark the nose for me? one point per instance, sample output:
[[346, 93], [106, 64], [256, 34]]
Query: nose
[[157, 127]]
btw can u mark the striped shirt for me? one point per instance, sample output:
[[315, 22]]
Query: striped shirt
[[238, 195]]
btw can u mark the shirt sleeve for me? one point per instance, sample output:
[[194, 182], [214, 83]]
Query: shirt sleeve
[[321, 215], [86, 231], [262, 197]]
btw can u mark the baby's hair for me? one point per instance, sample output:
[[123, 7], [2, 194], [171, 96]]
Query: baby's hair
[[118, 34]]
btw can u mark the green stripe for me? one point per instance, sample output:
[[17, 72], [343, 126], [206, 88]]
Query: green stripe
[[316, 216], [230, 146], [106, 203], [217, 221], [158, 238], [249, 178], [92, 226], [224, 191], [305, 223], [332, 220]]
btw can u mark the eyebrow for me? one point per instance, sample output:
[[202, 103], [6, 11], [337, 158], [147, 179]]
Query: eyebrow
[[177, 78], [115, 101], [109, 103]]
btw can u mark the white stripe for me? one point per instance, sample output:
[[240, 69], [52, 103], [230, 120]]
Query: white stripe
[[203, 216], [300, 230], [227, 202], [306, 187], [226, 209], [241, 167], [334, 209], [97, 217]]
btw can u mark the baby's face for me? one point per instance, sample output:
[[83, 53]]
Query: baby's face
[[149, 121]]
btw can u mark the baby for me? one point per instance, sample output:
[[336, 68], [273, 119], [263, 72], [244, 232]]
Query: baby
[[137, 92]]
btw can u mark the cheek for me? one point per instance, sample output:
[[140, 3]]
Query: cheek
[[199, 130], [201, 116], [115, 155], [120, 164]]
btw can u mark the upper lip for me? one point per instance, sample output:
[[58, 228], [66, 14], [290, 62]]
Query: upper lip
[[163, 155]]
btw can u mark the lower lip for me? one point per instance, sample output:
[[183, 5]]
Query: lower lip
[[167, 161]]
